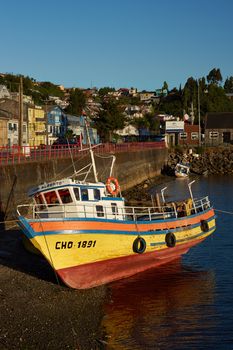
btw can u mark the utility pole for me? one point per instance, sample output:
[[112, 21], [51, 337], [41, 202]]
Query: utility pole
[[20, 137], [192, 113], [199, 113]]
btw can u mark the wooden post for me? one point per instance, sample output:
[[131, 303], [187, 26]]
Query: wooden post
[[20, 137]]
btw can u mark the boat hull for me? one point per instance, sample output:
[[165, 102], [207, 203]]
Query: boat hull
[[103, 272], [89, 252]]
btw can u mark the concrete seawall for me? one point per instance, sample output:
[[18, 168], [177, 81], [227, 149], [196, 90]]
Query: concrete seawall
[[131, 168]]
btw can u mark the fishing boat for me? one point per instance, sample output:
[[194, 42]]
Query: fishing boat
[[91, 237], [182, 170]]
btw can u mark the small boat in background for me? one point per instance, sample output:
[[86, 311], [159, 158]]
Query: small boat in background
[[182, 170]]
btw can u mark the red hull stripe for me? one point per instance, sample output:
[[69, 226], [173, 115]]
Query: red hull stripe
[[102, 272]]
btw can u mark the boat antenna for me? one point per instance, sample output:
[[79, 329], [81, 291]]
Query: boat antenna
[[91, 151], [113, 161], [191, 194], [162, 193]]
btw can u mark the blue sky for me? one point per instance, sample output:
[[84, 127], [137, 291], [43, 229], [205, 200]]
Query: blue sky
[[116, 43]]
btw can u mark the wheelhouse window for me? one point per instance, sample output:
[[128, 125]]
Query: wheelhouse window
[[84, 194], [99, 210], [65, 195], [39, 200], [96, 194], [114, 208], [76, 193], [51, 197]]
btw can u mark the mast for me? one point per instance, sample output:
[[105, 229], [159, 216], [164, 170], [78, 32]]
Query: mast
[[91, 152]]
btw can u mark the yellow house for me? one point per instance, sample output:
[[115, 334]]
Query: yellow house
[[3, 130], [36, 126]]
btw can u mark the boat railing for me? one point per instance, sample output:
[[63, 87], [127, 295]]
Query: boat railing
[[201, 204], [77, 210]]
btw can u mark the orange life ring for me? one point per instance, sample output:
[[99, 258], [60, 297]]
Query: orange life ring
[[112, 185]]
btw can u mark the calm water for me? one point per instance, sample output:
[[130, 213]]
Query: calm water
[[186, 304]]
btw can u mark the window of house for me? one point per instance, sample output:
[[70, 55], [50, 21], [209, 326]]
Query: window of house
[[99, 211], [76, 193], [183, 135], [65, 195], [15, 127], [9, 126], [96, 194], [51, 197], [84, 194], [213, 134], [24, 128], [194, 136]]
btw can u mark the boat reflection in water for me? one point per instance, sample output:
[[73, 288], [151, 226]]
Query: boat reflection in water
[[170, 307]]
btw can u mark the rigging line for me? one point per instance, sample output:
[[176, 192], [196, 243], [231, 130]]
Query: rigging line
[[8, 221], [47, 246], [98, 155], [224, 211], [78, 160]]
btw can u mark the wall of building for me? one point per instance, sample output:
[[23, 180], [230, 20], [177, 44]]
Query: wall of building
[[130, 169]]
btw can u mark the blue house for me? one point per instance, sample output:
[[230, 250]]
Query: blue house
[[57, 122], [78, 127]]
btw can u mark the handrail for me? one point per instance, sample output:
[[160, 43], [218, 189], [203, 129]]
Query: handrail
[[24, 154], [125, 213]]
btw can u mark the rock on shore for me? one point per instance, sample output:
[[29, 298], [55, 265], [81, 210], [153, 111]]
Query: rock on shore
[[211, 161]]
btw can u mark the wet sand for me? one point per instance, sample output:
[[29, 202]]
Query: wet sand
[[38, 313]]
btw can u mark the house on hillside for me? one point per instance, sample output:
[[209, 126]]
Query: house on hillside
[[56, 122], [4, 118], [218, 128], [36, 126], [190, 135], [11, 109], [78, 126], [4, 93], [147, 96]]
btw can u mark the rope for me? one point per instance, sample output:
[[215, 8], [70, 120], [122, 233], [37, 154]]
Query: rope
[[46, 243], [98, 155], [8, 221], [224, 211]]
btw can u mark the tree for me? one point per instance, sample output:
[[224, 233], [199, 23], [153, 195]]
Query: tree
[[189, 94], [105, 90], [214, 76], [110, 119], [77, 102], [216, 101], [228, 86], [165, 86], [172, 104]]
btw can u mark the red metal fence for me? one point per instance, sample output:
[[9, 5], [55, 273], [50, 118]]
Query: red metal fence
[[17, 154]]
